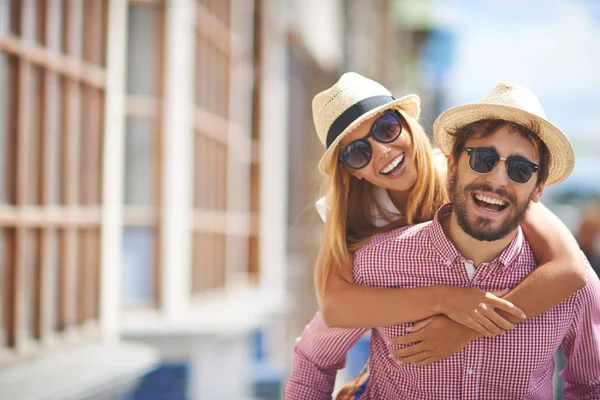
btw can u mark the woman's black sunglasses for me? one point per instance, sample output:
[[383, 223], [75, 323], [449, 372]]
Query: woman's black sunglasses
[[483, 161], [357, 154]]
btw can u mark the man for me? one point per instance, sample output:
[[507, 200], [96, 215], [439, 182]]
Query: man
[[502, 152]]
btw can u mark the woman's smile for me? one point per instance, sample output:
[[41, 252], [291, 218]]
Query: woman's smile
[[393, 164]]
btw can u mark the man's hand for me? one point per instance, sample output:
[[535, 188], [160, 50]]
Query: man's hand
[[476, 309], [437, 338]]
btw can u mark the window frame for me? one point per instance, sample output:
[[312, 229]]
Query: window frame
[[222, 222], [150, 107], [34, 213]]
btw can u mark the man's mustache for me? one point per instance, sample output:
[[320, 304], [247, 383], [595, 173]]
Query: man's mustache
[[482, 187]]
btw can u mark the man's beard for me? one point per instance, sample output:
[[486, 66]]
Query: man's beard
[[481, 228]]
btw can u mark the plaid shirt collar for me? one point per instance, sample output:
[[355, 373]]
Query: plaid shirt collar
[[448, 252]]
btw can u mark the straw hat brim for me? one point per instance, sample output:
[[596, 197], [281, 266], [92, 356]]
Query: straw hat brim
[[562, 156], [410, 104]]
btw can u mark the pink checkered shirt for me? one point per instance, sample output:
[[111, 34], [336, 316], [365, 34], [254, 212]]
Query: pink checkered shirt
[[517, 364]]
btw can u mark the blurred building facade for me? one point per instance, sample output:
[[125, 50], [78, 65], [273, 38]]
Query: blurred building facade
[[61, 91], [397, 43], [157, 180]]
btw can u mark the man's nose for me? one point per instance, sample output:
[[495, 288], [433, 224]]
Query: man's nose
[[498, 176]]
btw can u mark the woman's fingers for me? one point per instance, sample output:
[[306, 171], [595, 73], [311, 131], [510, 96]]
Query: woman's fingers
[[504, 305], [417, 358], [499, 293], [407, 338], [499, 320], [409, 351], [420, 325], [428, 361], [491, 328], [472, 323]]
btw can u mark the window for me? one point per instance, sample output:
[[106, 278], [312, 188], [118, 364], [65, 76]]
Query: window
[[222, 143], [52, 74], [143, 147]]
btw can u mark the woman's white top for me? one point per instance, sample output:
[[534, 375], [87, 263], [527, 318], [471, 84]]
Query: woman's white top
[[389, 211]]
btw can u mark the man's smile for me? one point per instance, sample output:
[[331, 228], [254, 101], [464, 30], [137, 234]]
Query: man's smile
[[489, 202]]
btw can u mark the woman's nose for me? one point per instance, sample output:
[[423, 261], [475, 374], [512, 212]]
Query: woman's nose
[[383, 148]]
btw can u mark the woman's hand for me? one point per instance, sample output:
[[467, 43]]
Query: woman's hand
[[475, 309], [438, 338]]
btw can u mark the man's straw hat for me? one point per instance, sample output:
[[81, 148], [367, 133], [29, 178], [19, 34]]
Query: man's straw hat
[[338, 110], [514, 103]]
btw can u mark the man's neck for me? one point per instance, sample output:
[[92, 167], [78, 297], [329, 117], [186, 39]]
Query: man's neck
[[470, 248]]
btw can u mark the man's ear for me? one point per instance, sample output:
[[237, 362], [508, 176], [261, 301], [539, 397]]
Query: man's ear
[[537, 193], [451, 165]]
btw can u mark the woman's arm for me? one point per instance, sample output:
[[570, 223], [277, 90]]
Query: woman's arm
[[345, 304], [561, 268]]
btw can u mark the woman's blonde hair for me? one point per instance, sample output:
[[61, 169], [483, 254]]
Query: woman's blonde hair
[[352, 205]]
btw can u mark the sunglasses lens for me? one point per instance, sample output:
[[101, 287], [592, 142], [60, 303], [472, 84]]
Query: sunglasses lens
[[357, 154], [482, 160], [520, 171], [386, 128]]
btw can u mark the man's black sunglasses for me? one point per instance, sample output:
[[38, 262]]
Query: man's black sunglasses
[[387, 128], [483, 161]]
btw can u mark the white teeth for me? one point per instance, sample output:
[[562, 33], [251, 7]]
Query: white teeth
[[489, 200], [393, 164]]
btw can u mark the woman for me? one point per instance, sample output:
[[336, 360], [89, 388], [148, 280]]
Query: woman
[[383, 175]]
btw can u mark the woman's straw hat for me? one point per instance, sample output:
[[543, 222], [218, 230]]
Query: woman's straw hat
[[338, 110], [514, 103]]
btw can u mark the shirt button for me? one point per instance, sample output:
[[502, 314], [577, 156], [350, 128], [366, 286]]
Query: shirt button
[[469, 372]]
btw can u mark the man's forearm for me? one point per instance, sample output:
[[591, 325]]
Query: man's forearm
[[581, 346], [308, 382], [318, 354]]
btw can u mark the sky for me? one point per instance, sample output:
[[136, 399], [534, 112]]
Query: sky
[[550, 46]]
